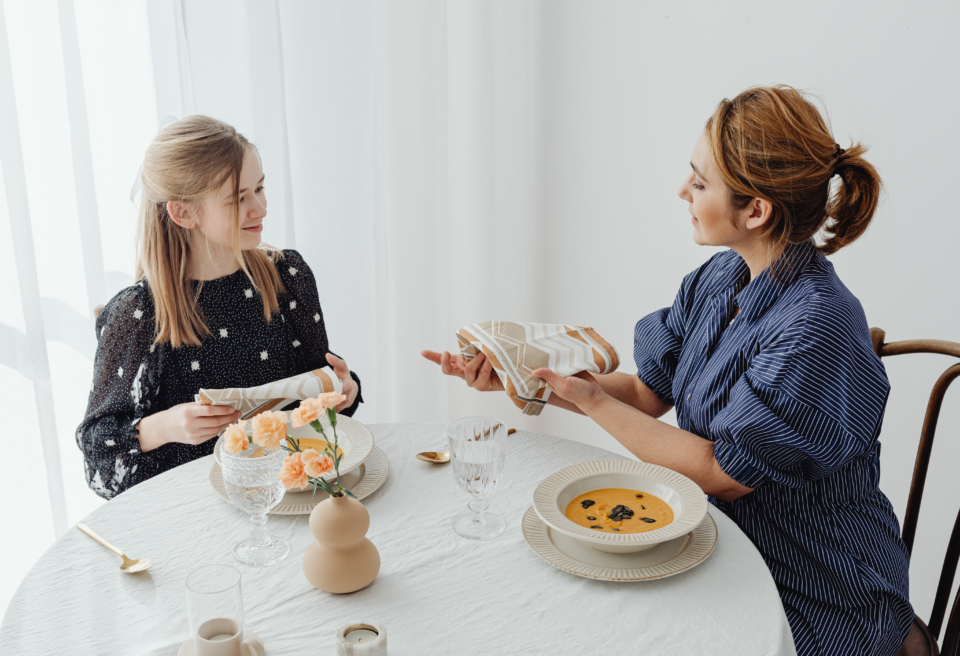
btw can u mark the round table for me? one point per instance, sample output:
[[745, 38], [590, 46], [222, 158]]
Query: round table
[[436, 593]]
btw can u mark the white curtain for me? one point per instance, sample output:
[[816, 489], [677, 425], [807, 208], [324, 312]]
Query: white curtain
[[458, 160], [399, 140]]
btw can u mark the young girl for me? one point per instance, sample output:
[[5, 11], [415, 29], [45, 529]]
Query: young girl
[[212, 308], [767, 359]]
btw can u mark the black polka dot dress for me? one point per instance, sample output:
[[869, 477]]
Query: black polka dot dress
[[134, 378]]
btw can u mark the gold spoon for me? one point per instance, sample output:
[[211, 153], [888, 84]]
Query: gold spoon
[[438, 457], [130, 565]]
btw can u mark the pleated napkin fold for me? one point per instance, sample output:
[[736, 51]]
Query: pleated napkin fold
[[517, 349], [273, 395]]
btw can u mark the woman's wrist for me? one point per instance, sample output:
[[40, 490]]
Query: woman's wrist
[[595, 403], [556, 400], [148, 434]]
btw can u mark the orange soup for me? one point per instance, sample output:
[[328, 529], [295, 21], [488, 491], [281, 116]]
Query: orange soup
[[618, 510], [305, 443], [315, 444]]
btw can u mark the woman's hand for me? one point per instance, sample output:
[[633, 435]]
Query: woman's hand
[[478, 373], [582, 389], [348, 384], [187, 423]]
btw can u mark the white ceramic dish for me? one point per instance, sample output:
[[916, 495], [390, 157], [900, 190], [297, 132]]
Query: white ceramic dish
[[362, 481], [685, 498], [355, 441], [663, 560]]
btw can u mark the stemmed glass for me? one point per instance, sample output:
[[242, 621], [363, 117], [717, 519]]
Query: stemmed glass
[[253, 485], [478, 447]]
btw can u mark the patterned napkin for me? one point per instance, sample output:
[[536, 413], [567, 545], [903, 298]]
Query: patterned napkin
[[517, 349], [273, 395]]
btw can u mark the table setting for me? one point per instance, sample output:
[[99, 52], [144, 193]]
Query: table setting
[[309, 532]]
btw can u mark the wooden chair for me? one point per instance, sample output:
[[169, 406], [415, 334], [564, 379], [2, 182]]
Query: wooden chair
[[923, 638]]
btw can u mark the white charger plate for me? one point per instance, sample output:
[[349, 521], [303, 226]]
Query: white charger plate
[[363, 481], [577, 557]]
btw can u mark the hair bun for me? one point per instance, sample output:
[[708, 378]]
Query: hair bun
[[773, 143]]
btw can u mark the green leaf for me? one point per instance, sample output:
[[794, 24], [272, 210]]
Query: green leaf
[[324, 486], [349, 493]]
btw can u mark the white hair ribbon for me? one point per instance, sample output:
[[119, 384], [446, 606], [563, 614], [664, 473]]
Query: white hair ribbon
[[138, 183]]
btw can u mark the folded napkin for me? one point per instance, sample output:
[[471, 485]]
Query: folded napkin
[[517, 349], [273, 395]]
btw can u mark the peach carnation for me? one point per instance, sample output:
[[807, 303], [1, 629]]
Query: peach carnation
[[308, 411], [292, 473], [269, 428], [331, 400], [235, 438], [316, 464]]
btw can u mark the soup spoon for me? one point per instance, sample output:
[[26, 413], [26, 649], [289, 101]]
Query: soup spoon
[[440, 457], [130, 565]]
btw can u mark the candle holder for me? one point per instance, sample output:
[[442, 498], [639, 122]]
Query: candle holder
[[363, 638]]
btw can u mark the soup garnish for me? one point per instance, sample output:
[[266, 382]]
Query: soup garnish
[[617, 510]]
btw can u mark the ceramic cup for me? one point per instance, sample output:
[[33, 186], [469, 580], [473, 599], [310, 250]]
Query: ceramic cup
[[222, 636]]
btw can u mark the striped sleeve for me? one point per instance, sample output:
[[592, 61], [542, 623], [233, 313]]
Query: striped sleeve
[[795, 415], [657, 341]]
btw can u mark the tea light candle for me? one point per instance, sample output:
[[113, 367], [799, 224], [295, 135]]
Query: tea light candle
[[357, 636], [362, 638]]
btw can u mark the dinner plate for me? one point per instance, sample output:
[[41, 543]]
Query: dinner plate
[[355, 441], [363, 482], [577, 557]]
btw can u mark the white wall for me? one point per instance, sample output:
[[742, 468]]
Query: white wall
[[454, 162]]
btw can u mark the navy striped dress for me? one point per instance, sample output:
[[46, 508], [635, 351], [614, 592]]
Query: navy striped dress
[[792, 395]]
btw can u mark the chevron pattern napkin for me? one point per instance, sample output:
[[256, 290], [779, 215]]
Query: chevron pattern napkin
[[273, 395], [517, 349]]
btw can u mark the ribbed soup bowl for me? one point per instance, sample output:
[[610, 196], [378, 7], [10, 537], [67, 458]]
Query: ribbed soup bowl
[[684, 497]]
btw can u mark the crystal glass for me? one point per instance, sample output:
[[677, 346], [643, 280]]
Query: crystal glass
[[215, 608], [254, 486], [478, 447]]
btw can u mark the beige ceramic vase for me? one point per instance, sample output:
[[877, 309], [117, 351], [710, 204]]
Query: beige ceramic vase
[[341, 559]]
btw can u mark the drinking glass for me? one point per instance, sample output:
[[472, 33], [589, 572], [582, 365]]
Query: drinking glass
[[478, 447], [215, 608], [254, 486]]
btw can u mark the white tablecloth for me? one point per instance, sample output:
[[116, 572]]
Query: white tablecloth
[[436, 593]]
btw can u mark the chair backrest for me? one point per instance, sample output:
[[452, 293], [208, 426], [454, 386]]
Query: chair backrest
[[951, 640]]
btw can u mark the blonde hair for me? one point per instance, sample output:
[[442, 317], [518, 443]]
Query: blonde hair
[[187, 160], [773, 143]]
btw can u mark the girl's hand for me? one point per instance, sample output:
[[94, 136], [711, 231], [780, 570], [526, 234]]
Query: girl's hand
[[582, 390], [187, 423], [478, 373], [348, 384]]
